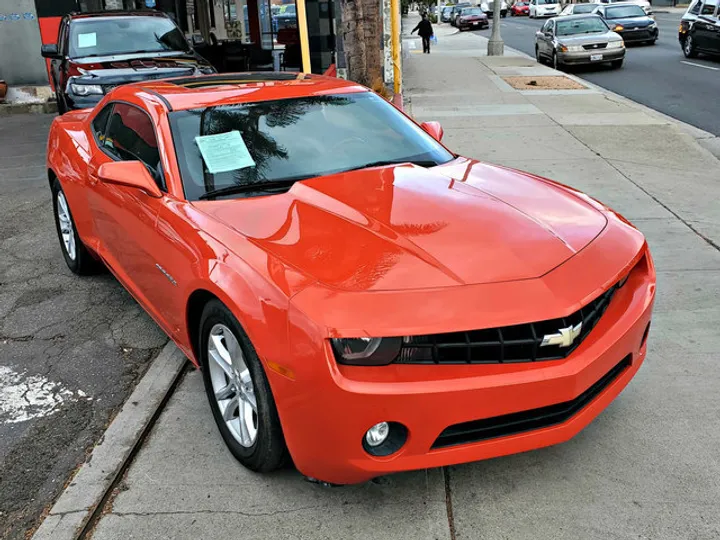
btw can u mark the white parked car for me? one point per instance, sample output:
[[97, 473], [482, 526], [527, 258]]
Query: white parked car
[[544, 8], [487, 8], [647, 8], [578, 9]]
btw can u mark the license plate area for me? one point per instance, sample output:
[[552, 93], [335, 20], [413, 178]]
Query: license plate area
[[596, 57]]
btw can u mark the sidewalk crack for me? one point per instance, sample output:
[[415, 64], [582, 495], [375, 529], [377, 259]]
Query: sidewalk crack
[[448, 503]]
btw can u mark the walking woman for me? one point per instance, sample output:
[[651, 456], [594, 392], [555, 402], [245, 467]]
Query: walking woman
[[425, 31]]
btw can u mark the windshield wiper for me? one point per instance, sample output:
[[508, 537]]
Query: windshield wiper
[[383, 163], [272, 185]]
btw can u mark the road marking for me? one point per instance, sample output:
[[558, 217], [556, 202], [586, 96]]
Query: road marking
[[24, 397], [699, 65]]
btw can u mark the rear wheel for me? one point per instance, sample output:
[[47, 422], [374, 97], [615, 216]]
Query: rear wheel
[[689, 49], [238, 391], [538, 57]]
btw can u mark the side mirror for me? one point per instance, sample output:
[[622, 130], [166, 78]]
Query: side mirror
[[50, 51], [130, 174], [198, 40], [434, 129]]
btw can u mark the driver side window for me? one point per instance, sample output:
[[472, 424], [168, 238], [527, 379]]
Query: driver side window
[[130, 136], [547, 27]]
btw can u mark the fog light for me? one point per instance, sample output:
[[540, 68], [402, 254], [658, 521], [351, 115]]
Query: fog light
[[377, 434]]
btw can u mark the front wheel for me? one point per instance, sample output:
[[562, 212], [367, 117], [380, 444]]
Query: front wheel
[[76, 255], [238, 391], [616, 64], [555, 63], [689, 49]]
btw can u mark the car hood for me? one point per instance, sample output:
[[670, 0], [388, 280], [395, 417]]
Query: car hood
[[584, 39], [136, 67], [631, 22], [407, 227]]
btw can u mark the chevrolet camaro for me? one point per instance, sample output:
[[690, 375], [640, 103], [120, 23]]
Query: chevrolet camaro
[[359, 298]]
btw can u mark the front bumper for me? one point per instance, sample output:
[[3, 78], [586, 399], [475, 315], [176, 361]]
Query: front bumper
[[324, 430], [630, 36], [581, 58], [481, 23]]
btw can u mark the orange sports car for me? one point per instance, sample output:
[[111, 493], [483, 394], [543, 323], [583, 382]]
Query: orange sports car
[[358, 297]]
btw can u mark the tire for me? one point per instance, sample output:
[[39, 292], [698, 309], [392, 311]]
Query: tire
[[258, 442], [617, 64], [689, 49], [555, 64], [76, 255], [61, 107], [538, 57]]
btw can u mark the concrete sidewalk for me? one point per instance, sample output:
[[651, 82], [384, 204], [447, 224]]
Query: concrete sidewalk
[[646, 468]]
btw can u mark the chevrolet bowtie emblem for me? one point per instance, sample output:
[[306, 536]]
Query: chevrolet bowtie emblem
[[564, 337]]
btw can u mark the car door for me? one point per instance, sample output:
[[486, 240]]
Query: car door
[[124, 217], [704, 26], [57, 65], [533, 11], [713, 37], [546, 39]]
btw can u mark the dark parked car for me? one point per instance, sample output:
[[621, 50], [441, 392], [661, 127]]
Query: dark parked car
[[455, 13], [96, 52], [630, 21], [700, 29], [446, 14], [472, 18]]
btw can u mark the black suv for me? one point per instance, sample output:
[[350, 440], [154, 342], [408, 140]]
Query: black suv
[[96, 52], [700, 28]]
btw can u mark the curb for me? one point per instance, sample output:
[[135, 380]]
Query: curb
[[49, 107], [86, 493]]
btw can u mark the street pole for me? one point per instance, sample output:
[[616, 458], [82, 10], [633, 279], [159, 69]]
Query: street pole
[[395, 24], [304, 39], [496, 47]]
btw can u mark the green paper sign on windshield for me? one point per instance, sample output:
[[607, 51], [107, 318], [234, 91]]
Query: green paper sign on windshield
[[224, 152]]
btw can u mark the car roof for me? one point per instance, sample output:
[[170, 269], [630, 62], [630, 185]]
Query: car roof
[[576, 17], [110, 14], [230, 88]]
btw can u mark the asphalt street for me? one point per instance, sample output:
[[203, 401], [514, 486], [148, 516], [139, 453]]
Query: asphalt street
[[658, 76], [71, 349]]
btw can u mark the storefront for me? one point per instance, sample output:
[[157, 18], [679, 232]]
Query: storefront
[[234, 35]]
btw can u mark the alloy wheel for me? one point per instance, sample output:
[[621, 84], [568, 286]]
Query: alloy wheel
[[689, 46], [233, 385], [65, 225]]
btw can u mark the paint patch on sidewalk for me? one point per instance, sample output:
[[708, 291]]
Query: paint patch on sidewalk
[[24, 397]]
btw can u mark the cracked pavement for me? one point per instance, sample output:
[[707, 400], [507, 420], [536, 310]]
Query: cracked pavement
[[71, 348]]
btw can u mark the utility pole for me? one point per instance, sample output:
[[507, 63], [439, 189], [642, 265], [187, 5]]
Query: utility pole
[[496, 47]]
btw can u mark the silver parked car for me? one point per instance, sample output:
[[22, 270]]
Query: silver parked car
[[578, 39]]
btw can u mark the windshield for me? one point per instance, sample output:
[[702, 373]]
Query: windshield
[[471, 11], [620, 12], [549, 2], [118, 35], [588, 25], [584, 8], [295, 139]]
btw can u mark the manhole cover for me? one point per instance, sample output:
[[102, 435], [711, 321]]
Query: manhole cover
[[543, 83]]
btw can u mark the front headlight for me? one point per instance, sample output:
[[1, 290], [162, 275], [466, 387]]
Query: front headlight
[[653, 26], [366, 351], [575, 48], [617, 44], [86, 89]]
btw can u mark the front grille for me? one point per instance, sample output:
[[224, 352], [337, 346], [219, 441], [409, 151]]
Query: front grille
[[593, 46], [511, 424], [508, 344]]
